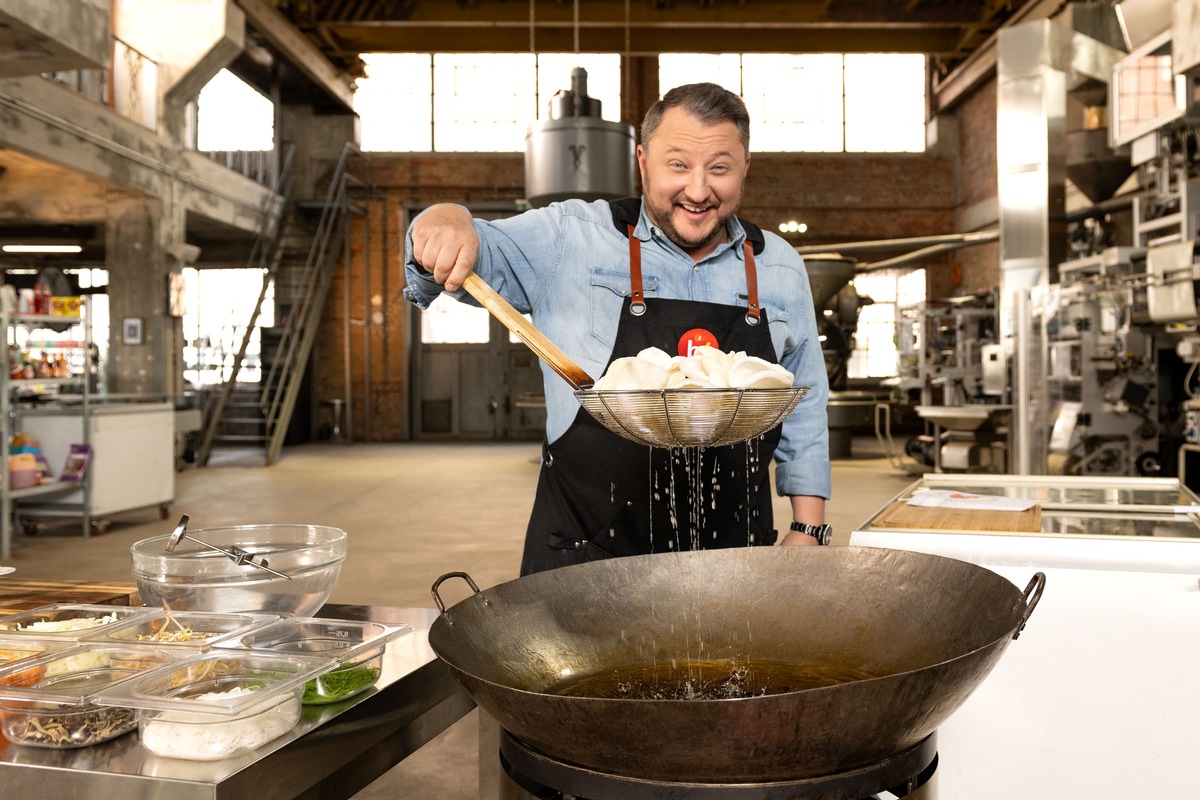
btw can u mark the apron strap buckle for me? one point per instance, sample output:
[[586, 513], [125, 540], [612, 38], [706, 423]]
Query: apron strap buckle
[[637, 299]]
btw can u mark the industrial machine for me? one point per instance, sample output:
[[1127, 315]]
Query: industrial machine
[[1106, 346], [837, 302], [1084, 360], [952, 365]]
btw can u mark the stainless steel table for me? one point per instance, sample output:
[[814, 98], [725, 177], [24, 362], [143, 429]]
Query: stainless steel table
[[332, 753]]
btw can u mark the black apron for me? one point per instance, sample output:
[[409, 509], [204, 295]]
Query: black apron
[[600, 495]]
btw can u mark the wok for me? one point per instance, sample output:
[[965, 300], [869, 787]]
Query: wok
[[927, 628]]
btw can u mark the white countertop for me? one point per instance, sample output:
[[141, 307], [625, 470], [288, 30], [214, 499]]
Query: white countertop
[[1098, 698]]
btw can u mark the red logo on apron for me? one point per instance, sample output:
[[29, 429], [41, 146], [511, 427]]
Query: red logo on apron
[[696, 337]]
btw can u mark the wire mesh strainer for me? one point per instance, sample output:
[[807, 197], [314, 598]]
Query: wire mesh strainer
[[656, 417], [690, 417]]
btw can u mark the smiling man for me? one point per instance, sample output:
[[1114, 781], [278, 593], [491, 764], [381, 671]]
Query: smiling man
[[604, 280]]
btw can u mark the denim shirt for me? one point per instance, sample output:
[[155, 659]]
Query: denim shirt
[[567, 266]]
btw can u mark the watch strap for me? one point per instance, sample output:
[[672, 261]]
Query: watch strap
[[822, 533]]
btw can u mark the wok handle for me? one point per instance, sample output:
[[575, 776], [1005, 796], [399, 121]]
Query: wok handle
[[437, 598], [1033, 593]]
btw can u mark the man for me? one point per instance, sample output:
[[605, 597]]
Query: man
[[605, 280]]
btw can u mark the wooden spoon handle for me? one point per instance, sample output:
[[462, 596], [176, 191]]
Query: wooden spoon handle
[[524, 330]]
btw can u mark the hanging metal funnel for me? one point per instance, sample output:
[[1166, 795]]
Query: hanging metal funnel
[[1092, 166], [575, 153], [827, 274]]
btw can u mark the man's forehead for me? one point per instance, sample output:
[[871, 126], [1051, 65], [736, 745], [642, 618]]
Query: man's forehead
[[685, 133]]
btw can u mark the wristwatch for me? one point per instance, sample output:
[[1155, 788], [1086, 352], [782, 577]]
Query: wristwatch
[[822, 533]]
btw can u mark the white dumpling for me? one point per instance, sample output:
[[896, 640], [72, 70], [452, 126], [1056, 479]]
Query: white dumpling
[[680, 379], [632, 373], [717, 364], [704, 372], [751, 372], [656, 356]]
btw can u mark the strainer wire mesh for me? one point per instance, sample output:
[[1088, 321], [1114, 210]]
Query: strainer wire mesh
[[690, 417]]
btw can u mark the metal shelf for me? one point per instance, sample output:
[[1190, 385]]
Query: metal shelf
[[13, 390]]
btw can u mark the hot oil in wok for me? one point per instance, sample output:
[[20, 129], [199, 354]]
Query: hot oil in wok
[[707, 680]]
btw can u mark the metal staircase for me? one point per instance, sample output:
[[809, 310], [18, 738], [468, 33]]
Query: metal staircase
[[298, 256]]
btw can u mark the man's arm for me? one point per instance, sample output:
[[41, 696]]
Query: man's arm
[[809, 510]]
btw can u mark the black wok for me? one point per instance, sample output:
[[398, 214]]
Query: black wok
[[928, 628]]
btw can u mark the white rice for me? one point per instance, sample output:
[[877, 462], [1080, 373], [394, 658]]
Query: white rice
[[207, 737]]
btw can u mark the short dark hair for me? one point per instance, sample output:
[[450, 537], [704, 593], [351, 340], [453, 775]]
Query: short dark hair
[[707, 102]]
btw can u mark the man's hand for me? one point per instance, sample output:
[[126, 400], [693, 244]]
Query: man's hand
[[794, 538], [445, 244]]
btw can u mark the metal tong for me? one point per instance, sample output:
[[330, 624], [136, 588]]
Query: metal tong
[[237, 554]]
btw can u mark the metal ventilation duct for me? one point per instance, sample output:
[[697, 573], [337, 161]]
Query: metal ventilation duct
[[575, 153]]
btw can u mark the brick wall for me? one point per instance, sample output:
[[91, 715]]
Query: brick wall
[[978, 267]]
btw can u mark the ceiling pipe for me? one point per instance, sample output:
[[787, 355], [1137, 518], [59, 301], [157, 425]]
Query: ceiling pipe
[[955, 239]]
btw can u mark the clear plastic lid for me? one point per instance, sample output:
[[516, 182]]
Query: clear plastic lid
[[16, 649], [220, 682], [336, 638], [70, 622], [190, 630], [76, 674]]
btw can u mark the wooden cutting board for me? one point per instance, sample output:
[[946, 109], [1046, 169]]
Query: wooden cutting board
[[901, 515], [23, 594]]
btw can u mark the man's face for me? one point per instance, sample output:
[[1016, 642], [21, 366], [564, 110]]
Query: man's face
[[692, 177]]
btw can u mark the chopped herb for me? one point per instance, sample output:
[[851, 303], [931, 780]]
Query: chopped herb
[[340, 684]]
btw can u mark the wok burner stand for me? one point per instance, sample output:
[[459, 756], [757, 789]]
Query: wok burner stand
[[909, 774]]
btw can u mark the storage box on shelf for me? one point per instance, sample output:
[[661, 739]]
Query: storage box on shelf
[[47, 354]]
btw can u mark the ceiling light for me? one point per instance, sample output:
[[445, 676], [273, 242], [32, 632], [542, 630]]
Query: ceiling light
[[42, 248], [792, 226]]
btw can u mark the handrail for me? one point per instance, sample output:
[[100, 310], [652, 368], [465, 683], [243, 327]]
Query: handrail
[[329, 228], [264, 254], [304, 318]]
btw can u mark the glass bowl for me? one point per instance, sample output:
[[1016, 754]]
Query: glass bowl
[[195, 578]]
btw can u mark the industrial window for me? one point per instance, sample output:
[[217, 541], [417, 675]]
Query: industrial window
[[875, 353], [451, 102], [232, 115], [217, 305], [817, 102]]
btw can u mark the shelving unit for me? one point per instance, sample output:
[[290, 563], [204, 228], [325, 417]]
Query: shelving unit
[[71, 346]]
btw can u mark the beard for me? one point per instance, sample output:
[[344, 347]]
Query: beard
[[663, 215]]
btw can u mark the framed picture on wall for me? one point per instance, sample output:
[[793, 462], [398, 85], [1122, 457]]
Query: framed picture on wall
[[131, 330]]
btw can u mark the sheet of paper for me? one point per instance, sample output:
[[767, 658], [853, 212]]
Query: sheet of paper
[[968, 501]]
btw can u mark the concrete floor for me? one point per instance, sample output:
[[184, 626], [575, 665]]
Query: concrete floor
[[413, 512]]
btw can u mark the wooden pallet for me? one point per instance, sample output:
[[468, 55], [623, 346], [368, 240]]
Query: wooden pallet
[[900, 515]]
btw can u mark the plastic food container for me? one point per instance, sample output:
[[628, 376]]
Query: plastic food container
[[218, 704], [357, 646], [17, 649], [67, 622], [51, 700], [195, 631]]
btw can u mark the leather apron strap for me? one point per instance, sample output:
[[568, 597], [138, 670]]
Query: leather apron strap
[[637, 295], [637, 298], [753, 310]]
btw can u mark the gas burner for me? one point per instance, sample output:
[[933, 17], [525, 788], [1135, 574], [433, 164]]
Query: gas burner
[[909, 774]]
